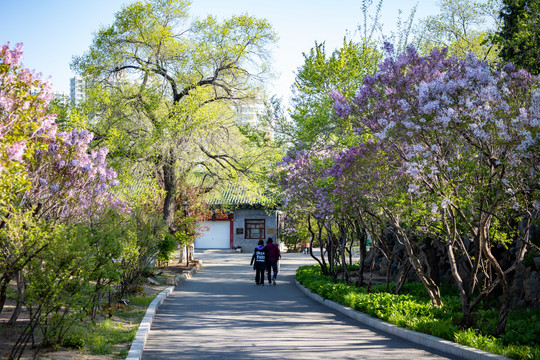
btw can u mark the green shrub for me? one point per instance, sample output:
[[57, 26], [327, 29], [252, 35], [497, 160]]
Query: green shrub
[[412, 309], [74, 340], [472, 338], [523, 327], [166, 247]]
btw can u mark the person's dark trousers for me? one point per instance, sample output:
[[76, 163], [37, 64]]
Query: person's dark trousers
[[271, 264], [269, 271], [259, 276]]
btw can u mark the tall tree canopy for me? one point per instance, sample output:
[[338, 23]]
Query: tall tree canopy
[[164, 86], [519, 36], [320, 74], [461, 26]]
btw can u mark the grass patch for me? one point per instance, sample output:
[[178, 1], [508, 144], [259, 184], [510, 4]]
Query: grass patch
[[140, 301], [412, 310], [112, 336]]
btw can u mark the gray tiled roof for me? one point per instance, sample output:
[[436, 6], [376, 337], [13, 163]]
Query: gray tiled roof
[[237, 195]]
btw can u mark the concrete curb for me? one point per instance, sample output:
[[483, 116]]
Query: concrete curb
[[445, 346], [137, 346]]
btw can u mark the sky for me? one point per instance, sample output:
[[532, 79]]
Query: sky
[[53, 31]]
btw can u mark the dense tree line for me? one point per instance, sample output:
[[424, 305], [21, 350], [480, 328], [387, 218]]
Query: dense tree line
[[92, 195], [430, 155], [433, 156]]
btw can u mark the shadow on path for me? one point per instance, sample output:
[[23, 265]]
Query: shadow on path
[[222, 314]]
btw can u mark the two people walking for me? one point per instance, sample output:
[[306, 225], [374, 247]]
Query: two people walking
[[266, 259]]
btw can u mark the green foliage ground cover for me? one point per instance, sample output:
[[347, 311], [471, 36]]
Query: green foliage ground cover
[[113, 335], [412, 310]]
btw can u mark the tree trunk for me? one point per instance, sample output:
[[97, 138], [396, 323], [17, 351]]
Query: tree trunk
[[503, 309], [342, 249], [505, 299], [432, 260], [321, 263], [3, 295], [170, 182], [430, 286], [402, 277], [330, 249], [362, 236], [181, 255], [20, 291], [96, 299], [372, 268], [389, 263], [465, 304], [466, 319], [345, 270]]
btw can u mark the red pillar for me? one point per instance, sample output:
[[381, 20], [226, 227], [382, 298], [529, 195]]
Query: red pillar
[[231, 220]]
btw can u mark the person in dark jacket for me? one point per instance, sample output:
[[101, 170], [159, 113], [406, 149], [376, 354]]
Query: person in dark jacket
[[259, 256], [272, 256]]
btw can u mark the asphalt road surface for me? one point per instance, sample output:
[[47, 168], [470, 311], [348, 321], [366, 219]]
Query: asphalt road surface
[[221, 314]]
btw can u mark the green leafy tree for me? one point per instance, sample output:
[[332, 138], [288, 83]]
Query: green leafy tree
[[56, 283], [461, 26], [343, 70], [164, 89], [519, 35]]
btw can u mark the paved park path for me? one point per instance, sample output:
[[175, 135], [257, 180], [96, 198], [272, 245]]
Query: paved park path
[[221, 314]]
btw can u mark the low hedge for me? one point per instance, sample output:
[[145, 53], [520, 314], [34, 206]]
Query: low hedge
[[413, 310]]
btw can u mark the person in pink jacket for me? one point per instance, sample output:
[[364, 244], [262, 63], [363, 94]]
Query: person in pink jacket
[[272, 256]]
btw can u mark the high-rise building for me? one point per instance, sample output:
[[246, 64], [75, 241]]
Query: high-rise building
[[248, 113], [77, 89], [61, 97]]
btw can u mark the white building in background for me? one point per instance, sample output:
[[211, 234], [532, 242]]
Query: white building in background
[[61, 97], [77, 86], [250, 114]]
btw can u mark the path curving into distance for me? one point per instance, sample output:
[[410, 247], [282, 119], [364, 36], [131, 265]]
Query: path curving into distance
[[221, 314]]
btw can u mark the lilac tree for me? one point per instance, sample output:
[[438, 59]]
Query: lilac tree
[[23, 104], [362, 189], [70, 182], [466, 137], [46, 176], [39, 165], [369, 187], [299, 177]]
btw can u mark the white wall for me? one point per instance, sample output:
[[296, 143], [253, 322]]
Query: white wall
[[217, 236]]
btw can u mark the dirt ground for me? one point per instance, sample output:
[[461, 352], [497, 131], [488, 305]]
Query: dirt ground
[[10, 334]]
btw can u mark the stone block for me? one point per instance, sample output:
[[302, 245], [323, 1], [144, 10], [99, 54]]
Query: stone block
[[537, 263]]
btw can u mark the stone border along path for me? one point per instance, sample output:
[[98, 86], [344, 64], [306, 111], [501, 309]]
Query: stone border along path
[[137, 346], [429, 341]]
